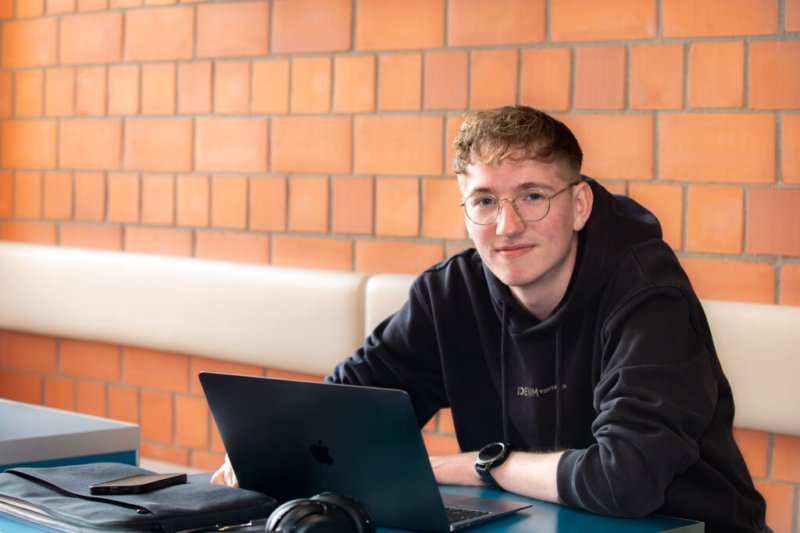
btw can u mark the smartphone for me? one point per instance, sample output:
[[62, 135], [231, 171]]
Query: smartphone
[[137, 484]]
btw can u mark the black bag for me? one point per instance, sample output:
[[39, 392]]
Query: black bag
[[59, 498]]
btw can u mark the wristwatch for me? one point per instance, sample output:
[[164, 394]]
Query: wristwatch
[[490, 456]]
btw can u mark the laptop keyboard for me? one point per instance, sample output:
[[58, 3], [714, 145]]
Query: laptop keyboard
[[455, 514]]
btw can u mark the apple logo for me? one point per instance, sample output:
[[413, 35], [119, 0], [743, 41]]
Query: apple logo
[[321, 453]]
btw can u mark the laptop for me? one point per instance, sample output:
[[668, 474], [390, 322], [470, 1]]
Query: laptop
[[295, 439]]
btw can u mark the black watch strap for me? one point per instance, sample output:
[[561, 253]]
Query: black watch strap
[[490, 456]]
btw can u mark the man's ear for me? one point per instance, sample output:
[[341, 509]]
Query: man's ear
[[583, 200]]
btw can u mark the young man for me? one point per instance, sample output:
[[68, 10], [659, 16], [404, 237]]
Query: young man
[[569, 344]]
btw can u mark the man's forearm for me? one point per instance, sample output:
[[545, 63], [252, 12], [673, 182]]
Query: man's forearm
[[528, 474]]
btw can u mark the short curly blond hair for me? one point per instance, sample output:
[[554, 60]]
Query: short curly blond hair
[[515, 133]]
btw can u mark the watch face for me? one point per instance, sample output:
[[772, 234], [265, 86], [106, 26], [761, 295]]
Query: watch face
[[491, 452]]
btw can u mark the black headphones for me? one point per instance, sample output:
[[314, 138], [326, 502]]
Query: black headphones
[[323, 513]]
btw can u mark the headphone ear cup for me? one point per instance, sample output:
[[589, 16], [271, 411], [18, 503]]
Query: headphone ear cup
[[286, 515], [358, 514]]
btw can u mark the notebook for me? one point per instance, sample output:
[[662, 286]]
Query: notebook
[[294, 439]]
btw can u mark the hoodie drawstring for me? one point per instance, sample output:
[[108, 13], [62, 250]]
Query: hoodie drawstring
[[558, 388], [503, 391]]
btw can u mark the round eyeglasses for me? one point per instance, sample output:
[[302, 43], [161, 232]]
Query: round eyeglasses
[[531, 205]]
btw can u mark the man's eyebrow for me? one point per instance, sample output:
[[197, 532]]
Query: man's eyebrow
[[517, 188]]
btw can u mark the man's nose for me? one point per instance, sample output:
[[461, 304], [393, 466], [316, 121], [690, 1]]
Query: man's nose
[[509, 222]]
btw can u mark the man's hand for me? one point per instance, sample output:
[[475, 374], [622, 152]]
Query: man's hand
[[456, 469], [225, 474]]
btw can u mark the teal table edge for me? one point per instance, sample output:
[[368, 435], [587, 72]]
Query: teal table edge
[[129, 457]]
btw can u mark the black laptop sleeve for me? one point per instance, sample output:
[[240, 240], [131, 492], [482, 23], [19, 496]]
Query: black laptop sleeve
[[59, 498]]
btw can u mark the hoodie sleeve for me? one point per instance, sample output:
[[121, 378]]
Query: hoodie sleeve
[[401, 353], [655, 398]]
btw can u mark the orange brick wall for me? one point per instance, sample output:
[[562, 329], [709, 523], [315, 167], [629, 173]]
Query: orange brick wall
[[315, 133]]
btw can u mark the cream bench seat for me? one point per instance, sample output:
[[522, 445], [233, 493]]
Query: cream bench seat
[[307, 320]]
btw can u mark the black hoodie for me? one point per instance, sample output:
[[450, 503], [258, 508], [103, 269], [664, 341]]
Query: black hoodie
[[622, 376]]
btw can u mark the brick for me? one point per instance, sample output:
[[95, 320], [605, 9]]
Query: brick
[[59, 393], [311, 85], [270, 92], [692, 149], [786, 458], [774, 80], [231, 87], [301, 26], [159, 34], [411, 24], [31, 8], [779, 497], [191, 421], [90, 144], [123, 403], [790, 284], [138, 365], [158, 199], [167, 454], [493, 78], [107, 238], [715, 219], [398, 145], [600, 77], [396, 256], [58, 195], [452, 125], [123, 90], [445, 422], [767, 210], [231, 144], [204, 364], [158, 241], [29, 352], [21, 387], [6, 9], [352, 205], [354, 84], [716, 74], [440, 444], [233, 29], [206, 461], [194, 87], [6, 194], [60, 6], [28, 144], [312, 144], [233, 246], [31, 232], [6, 94], [446, 80], [518, 22], [28, 194], [92, 5], [158, 89], [738, 281], [158, 144], [29, 93], [754, 446], [665, 202], [59, 99], [397, 207], [442, 216], [156, 417], [94, 38], [229, 202], [575, 20], [791, 15], [308, 203], [400, 82], [90, 196], [310, 252], [267, 204], [656, 79], [193, 201], [90, 91], [545, 78], [615, 146], [123, 198], [30, 43], [90, 398], [718, 18], [790, 148]]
